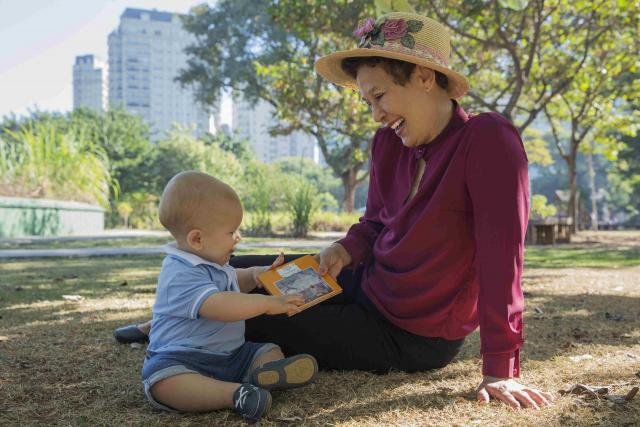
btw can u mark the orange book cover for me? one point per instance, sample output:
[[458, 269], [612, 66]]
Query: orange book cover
[[300, 276]]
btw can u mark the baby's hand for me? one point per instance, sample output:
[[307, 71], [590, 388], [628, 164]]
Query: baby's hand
[[257, 270], [288, 304]]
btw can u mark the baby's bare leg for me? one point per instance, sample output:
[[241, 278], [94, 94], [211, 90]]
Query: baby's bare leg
[[194, 393]]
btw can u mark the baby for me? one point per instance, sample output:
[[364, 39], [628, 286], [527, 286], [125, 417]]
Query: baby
[[197, 359]]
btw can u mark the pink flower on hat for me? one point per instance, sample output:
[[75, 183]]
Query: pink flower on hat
[[394, 29], [365, 27]]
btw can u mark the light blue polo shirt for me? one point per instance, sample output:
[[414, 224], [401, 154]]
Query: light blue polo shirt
[[185, 282]]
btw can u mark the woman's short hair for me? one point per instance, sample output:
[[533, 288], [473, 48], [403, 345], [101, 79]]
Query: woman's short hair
[[399, 70]]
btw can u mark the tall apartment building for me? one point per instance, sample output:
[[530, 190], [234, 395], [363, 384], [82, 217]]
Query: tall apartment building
[[146, 52], [89, 83], [253, 122]]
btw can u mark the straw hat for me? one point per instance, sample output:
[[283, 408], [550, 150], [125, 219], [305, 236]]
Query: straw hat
[[398, 35]]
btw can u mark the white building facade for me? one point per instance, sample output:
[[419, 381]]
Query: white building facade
[[252, 122], [146, 53], [89, 83]]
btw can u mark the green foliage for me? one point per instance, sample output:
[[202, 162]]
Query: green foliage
[[180, 152], [267, 50], [41, 159], [301, 201], [624, 178], [230, 143], [568, 62], [322, 178], [540, 209], [262, 191], [522, 55], [386, 6], [279, 222], [144, 210], [124, 210], [123, 136], [332, 221], [536, 147]]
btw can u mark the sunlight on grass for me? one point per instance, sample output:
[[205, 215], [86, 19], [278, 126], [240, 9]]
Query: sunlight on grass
[[567, 257]]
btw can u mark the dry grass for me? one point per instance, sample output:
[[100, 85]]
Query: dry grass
[[60, 365]]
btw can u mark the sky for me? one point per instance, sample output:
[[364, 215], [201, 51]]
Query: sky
[[39, 40]]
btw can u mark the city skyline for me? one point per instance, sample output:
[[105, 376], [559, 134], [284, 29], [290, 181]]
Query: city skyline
[[90, 45], [51, 35], [146, 53], [90, 83]]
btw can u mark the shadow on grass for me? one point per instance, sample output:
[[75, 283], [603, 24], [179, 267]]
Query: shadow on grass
[[61, 364], [564, 323], [66, 368], [75, 373], [28, 281]]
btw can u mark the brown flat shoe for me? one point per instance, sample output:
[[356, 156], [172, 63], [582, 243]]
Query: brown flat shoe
[[283, 374]]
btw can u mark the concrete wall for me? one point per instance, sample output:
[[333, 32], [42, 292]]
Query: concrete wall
[[41, 217]]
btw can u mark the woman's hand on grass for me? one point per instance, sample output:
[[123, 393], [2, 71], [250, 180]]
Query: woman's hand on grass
[[512, 393]]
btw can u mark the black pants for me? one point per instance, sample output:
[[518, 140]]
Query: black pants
[[347, 332]]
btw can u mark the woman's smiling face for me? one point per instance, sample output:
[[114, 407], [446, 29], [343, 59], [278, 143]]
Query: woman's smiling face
[[408, 109]]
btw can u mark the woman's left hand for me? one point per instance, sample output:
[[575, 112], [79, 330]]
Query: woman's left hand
[[511, 392]]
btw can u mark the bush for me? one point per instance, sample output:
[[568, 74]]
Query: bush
[[124, 210], [539, 207], [302, 201], [261, 193], [40, 159], [144, 210], [332, 221], [279, 223], [181, 152]]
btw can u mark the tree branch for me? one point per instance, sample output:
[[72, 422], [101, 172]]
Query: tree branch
[[510, 48], [443, 20], [554, 132]]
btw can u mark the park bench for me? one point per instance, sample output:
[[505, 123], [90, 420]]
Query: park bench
[[548, 231]]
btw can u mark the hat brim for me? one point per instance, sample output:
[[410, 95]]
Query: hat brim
[[330, 67]]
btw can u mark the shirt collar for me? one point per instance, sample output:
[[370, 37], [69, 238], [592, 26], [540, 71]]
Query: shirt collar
[[193, 259], [458, 118]]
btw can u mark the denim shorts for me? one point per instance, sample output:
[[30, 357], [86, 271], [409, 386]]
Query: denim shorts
[[234, 367]]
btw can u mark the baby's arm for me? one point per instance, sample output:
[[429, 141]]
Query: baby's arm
[[234, 306], [248, 277]]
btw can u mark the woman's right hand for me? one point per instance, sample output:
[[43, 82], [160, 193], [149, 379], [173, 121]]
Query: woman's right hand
[[332, 260]]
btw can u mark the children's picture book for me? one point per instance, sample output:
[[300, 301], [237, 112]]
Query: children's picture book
[[300, 277]]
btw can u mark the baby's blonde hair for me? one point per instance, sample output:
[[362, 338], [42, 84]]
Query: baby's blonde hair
[[191, 198]]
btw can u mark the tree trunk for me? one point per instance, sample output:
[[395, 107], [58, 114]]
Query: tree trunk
[[349, 183], [593, 191], [573, 192]]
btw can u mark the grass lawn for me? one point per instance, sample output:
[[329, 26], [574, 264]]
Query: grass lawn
[[59, 363], [108, 242]]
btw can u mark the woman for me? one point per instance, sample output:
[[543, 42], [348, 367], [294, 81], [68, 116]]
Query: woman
[[439, 250]]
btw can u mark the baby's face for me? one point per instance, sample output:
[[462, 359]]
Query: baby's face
[[221, 235]]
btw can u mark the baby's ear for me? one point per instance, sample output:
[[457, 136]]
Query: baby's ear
[[194, 239]]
